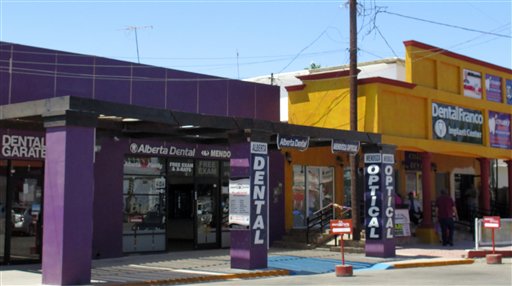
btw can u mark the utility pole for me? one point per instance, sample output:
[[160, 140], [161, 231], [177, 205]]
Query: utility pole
[[354, 197], [135, 28]]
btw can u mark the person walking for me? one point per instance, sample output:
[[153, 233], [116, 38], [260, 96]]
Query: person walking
[[446, 212]]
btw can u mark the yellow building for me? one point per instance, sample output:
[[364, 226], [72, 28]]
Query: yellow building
[[449, 120]]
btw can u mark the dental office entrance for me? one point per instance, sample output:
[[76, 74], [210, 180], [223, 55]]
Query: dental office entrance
[[175, 204], [21, 197]]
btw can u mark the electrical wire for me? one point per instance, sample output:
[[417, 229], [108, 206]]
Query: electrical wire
[[447, 25]]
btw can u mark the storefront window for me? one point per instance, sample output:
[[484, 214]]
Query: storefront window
[[299, 204], [313, 188], [144, 205]]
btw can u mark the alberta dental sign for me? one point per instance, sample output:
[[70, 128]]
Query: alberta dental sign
[[259, 186], [181, 151], [454, 123], [295, 142], [379, 195], [16, 146]]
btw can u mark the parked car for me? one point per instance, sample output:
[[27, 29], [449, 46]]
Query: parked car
[[22, 220]]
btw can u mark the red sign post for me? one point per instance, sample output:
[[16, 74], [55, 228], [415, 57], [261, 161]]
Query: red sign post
[[492, 222], [341, 227]]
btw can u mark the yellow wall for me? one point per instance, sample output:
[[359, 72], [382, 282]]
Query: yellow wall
[[400, 113]]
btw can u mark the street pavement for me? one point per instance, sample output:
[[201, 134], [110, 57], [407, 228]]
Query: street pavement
[[297, 265]]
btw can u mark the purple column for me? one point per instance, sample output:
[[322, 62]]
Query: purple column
[[379, 200], [249, 242], [68, 197]]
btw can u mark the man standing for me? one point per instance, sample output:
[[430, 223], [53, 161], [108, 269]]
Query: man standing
[[446, 212]]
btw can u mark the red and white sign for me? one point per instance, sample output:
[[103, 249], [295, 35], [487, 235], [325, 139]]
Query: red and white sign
[[492, 222], [341, 226]]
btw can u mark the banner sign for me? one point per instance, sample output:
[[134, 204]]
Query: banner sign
[[344, 146], [508, 90], [239, 202], [259, 193], [499, 130], [17, 146], [454, 123], [296, 142], [379, 196], [493, 88], [472, 84]]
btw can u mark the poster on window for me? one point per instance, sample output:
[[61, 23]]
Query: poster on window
[[472, 84], [493, 88], [239, 202], [508, 90], [499, 130]]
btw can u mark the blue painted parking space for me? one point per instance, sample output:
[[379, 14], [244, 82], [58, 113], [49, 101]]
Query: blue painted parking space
[[309, 265]]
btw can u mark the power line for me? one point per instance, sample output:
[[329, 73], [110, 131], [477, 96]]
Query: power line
[[447, 25]]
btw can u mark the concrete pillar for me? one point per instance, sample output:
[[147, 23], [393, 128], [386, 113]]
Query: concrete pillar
[[485, 192], [426, 186], [249, 208], [68, 198], [426, 231], [509, 167]]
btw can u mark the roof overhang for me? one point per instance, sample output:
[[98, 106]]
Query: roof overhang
[[134, 121]]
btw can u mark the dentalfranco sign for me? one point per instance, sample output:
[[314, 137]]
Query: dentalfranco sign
[[454, 123]]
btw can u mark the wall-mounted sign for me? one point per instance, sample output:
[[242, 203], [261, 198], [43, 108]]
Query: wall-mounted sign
[[296, 142], [412, 161], [23, 146], [454, 123], [508, 90], [344, 146], [472, 84], [181, 150], [493, 88], [499, 130]]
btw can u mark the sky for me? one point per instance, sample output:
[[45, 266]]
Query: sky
[[243, 39]]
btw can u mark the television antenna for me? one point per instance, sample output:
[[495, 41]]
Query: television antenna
[[135, 28]]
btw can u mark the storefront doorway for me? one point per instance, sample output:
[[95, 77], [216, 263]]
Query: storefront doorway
[[175, 204], [21, 201], [313, 189], [466, 196]]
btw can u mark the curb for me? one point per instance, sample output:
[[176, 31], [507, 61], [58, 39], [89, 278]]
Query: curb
[[210, 278], [412, 264]]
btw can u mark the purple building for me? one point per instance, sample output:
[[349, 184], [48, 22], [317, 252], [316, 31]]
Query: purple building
[[99, 158]]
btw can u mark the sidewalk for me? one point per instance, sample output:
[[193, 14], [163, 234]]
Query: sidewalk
[[210, 265]]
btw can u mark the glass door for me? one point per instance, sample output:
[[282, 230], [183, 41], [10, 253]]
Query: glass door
[[207, 228], [24, 200]]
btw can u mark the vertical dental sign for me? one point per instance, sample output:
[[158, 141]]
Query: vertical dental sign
[[259, 187], [379, 194]]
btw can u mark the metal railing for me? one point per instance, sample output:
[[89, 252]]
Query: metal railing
[[318, 221]]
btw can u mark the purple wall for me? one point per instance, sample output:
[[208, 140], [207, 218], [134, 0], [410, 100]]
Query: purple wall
[[42, 73]]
